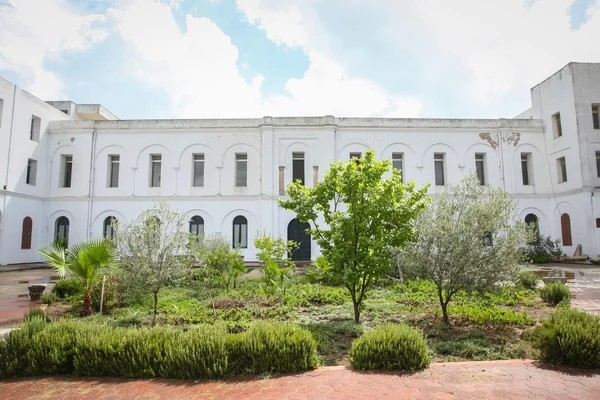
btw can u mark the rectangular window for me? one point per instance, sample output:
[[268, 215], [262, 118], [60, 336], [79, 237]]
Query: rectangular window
[[438, 160], [480, 167], [298, 167], [241, 169], [598, 163], [113, 170], [557, 125], [355, 155], [31, 172], [595, 116], [198, 172], [561, 165], [397, 160], [155, 170], [34, 132], [1, 110], [67, 170], [525, 161]]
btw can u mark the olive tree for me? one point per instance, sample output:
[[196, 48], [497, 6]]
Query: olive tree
[[467, 240], [356, 214], [154, 250]]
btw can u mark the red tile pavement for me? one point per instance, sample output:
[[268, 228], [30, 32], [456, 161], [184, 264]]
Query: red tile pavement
[[514, 379]]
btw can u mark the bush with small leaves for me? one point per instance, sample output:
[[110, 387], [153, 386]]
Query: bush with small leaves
[[569, 337], [48, 298], [35, 313], [395, 347], [527, 279], [272, 348], [555, 293], [88, 349], [67, 287]]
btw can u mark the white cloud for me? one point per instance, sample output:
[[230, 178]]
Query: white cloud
[[507, 46], [198, 71], [32, 32]]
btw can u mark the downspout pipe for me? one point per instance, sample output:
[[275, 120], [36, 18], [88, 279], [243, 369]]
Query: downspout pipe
[[88, 234]]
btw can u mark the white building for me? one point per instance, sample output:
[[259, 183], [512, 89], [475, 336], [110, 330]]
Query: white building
[[67, 168]]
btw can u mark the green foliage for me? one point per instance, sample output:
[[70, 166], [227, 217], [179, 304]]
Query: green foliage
[[66, 287], [466, 241], [542, 249], [276, 267], [61, 243], [307, 294], [364, 214], [569, 337], [272, 348], [35, 313], [83, 261], [14, 346], [555, 293], [48, 297], [156, 251], [490, 315], [390, 347], [86, 349], [527, 279], [320, 271], [220, 262]]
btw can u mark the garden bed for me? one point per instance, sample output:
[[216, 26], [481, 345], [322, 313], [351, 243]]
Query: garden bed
[[484, 327]]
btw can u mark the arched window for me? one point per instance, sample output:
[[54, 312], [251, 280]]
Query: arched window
[[197, 226], [108, 228], [565, 228], [62, 230], [240, 232], [531, 219], [26, 233]]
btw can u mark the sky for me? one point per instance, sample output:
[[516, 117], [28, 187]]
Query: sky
[[250, 58]]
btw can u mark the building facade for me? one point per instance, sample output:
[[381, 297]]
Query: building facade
[[69, 169]]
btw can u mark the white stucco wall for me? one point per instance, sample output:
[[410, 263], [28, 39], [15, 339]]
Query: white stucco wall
[[269, 144]]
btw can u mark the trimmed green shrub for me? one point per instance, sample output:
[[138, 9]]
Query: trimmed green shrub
[[569, 337], [67, 287], [555, 292], [48, 298], [390, 347], [527, 279], [14, 346], [35, 313], [87, 349], [272, 348]]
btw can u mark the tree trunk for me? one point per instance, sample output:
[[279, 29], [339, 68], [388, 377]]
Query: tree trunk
[[444, 305], [155, 308], [356, 311], [86, 310]]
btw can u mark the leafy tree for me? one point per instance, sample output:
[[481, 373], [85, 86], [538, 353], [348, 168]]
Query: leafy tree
[[155, 250], [276, 267], [467, 241], [84, 261], [356, 215], [221, 262], [542, 249]]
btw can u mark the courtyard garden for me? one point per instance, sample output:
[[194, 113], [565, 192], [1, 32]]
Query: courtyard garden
[[402, 281]]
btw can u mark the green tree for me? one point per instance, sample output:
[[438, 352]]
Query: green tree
[[84, 261], [356, 215], [467, 241], [221, 262], [155, 250]]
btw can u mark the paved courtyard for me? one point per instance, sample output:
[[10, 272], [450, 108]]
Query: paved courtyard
[[14, 300], [514, 379]]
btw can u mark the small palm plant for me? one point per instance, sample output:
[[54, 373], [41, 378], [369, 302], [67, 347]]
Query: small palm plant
[[84, 261]]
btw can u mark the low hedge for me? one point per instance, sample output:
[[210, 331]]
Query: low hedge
[[555, 293], [395, 347], [85, 349], [67, 287], [569, 337]]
